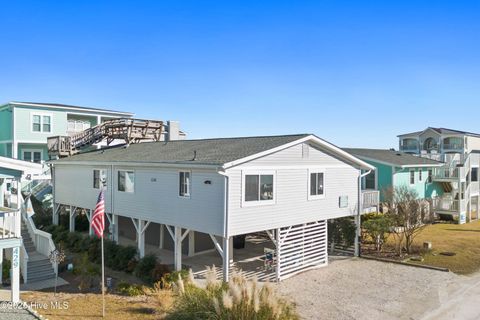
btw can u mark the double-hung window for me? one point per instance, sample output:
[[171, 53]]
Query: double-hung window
[[412, 176], [316, 184], [32, 155], [126, 181], [420, 175], [258, 188], [41, 123], [430, 175], [99, 178], [184, 184]]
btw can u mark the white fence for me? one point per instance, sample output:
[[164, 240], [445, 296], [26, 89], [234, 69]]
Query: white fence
[[10, 224], [301, 247]]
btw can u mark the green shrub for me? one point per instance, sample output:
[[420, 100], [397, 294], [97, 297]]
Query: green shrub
[[122, 258], [73, 241], [86, 271], [145, 267], [378, 229], [341, 231], [6, 266], [239, 299], [172, 277], [131, 290], [95, 250]]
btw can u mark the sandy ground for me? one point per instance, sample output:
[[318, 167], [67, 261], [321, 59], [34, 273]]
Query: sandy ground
[[351, 288]]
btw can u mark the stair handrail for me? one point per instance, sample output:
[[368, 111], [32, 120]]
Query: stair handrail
[[42, 240]]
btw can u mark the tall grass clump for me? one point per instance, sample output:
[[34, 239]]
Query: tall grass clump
[[237, 299]]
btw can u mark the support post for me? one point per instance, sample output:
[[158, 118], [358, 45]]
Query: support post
[[73, 214], [162, 232], [19, 193], [1, 266], [2, 192], [226, 258], [191, 243], [15, 275], [89, 215], [141, 238], [56, 209], [178, 248], [115, 227]]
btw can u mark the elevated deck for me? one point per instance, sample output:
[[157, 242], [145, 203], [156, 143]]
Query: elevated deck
[[126, 129]]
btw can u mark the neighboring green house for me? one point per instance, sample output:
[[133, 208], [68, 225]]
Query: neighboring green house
[[25, 126], [395, 168]]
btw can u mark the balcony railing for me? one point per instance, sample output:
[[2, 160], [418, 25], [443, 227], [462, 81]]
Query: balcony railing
[[446, 204], [446, 173], [10, 223], [370, 198], [452, 146], [409, 148]]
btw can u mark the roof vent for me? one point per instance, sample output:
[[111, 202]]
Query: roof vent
[[399, 154], [194, 155]]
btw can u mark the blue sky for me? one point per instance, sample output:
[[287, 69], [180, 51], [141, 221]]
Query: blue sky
[[356, 73]]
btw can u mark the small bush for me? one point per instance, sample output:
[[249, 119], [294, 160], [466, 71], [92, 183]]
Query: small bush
[[123, 257], [159, 272], [73, 241], [6, 266], [145, 267], [86, 271], [378, 229], [131, 290]]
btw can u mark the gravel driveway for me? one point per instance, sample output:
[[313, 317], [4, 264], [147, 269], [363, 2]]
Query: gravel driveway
[[352, 288]]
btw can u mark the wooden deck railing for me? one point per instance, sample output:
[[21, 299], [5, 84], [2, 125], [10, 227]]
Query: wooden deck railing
[[371, 198], [129, 130]]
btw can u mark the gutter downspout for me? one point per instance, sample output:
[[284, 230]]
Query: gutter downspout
[[225, 204], [358, 230]]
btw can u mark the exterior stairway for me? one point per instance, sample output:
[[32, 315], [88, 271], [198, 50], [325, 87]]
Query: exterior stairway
[[39, 267]]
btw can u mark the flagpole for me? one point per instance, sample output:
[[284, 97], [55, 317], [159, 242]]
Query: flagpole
[[103, 281]]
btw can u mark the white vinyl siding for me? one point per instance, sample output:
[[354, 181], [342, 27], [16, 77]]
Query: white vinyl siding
[[291, 191]]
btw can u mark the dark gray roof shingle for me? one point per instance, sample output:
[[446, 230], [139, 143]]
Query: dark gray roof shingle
[[393, 157], [59, 105], [205, 151], [443, 131]]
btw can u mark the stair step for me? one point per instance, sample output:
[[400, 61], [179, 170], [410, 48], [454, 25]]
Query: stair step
[[39, 269], [40, 278], [38, 263]]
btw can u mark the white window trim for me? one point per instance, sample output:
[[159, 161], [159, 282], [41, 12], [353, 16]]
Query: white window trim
[[106, 178], [32, 151], [259, 202], [41, 114], [189, 186], [319, 196], [410, 177], [117, 180]]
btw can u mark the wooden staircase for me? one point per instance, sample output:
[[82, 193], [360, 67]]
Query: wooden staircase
[[127, 129]]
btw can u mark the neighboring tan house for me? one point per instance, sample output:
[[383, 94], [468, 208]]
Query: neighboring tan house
[[460, 151], [25, 126], [192, 195], [394, 169]]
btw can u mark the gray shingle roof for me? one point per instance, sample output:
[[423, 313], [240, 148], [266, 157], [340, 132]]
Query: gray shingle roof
[[443, 131], [59, 105], [392, 157], [205, 151]]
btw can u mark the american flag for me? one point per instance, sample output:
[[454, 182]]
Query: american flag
[[98, 219]]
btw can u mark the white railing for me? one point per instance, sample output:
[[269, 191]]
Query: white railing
[[42, 240], [446, 173], [10, 224], [370, 198], [446, 204]]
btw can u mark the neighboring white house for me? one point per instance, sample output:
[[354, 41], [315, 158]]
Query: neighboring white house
[[204, 192]]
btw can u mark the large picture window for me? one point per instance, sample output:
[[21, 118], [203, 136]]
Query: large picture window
[[184, 186], [259, 188], [126, 181]]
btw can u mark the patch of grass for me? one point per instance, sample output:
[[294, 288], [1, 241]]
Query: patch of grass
[[89, 306], [463, 240]]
